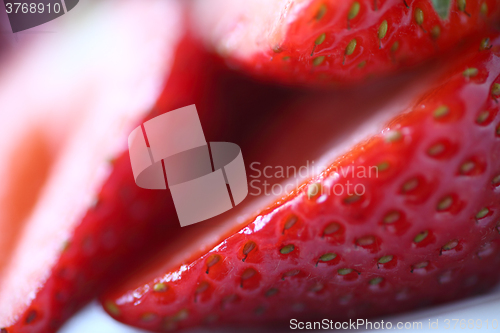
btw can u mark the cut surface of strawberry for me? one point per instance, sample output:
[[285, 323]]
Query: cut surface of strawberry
[[336, 42], [422, 229]]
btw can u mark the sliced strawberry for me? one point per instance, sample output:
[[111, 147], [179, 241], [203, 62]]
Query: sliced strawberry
[[424, 231], [337, 42]]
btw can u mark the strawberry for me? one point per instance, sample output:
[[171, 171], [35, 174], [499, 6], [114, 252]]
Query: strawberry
[[337, 42], [423, 230], [123, 224]]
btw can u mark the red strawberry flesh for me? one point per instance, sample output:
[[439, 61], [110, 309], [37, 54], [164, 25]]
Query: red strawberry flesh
[[424, 231]]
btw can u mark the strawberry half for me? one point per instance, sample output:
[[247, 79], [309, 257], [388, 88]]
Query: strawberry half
[[424, 231], [339, 42]]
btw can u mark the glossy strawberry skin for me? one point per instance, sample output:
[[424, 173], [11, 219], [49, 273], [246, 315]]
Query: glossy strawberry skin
[[424, 232], [324, 47]]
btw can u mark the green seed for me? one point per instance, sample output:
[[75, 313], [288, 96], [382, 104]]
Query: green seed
[[383, 166], [395, 47], [353, 12], [290, 222], [332, 228], [350, 47], [495, 89], [321, 12], [287, 249], [436, 149], [362, 64], [484, 9], [344, 271], [482, 213], [365, 241], [461, 5], [147, 317], [496, 180], [450, 245], [392, 217], [318, 60], [375, 281], [467, 167], [421, 236], [445, 203], [393, 136], [441, 111], [382, 29], [385, 259], [435, 32], [271, 292], [470, 72], [112, 308], [422, 264], [410, 185], [320, 39], [248, 273], [419, 16], [482, 117], [160, 287], [328, 257], [485, 44]]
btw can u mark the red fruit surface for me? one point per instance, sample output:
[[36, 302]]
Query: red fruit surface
[[333, 42], [128, 224], [424, 231]]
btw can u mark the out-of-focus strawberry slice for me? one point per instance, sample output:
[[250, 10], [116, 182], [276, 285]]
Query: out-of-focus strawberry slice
[[68, 209]]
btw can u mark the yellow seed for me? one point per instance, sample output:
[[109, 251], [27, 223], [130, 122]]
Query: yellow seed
[[328, 257], [331, 228], [362, 64], [483, 116], [385, 259], [160, 287], [392, 217], [320, 39], [393, 136], [419, 16], [485, 44], [112, 308], [344, 271], [376, 281], [287, 249], [382, 29], [484, 9], [482, 213], [445, 203], [495, 89], [421, 236], [435, 32], [318, 60], [461, 5], [395, 47], [321, 12], [450, 245], [470, 72], [350, 47], [441, 111], [467, 167], [353, 12]]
